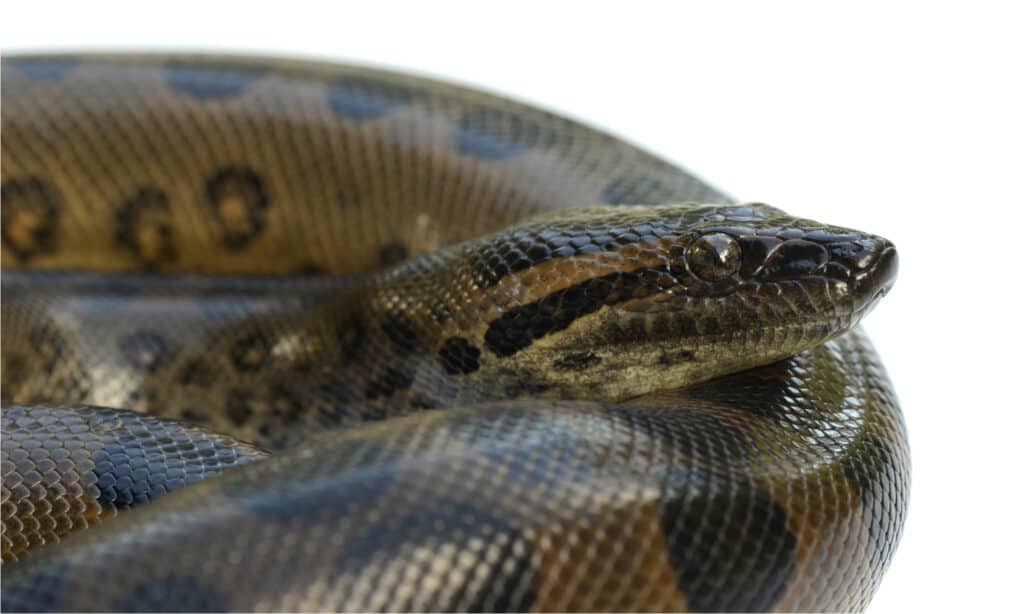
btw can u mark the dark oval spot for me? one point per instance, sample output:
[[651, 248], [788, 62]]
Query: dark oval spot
[[361, 98], [143, 225], [208, 82], [30, 214], [195, 415], [285, 405], [250, 352], [710, 537], [43, 68], [459, 356], [237, 406], [492, 134], [196, 372], [392, 254], [309, 269], [239, 199], [391, 381], [145, 350], [400, 331], [352, 338], [872, 468]]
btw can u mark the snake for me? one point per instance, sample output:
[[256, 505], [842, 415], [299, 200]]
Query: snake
[[291, 335]]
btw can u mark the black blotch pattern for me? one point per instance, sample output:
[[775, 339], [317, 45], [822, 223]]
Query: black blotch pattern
[[250, 353], [237, 406], [392, 254], [400, 331], [709, 539], [285, 404], [196, 372], [145, 350], [638, 191], [673, 358], [424, 402], [492, 134], [361, 98], [176, 593], [459, 356], [144, 226], [310, 269], [524, 387], [518, 328], [49, 347], [502, 577], [576, 361], [195, 415], [43, 68], [30, 214], [37, 587], [14, 370], [870, 468], [352, 337], [388, 383], [211, 82], [239, 199], [336, 405]]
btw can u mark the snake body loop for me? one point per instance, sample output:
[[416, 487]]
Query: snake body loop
[[400, 345]]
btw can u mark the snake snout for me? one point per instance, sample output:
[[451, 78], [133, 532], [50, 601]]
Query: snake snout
[[874, 274]]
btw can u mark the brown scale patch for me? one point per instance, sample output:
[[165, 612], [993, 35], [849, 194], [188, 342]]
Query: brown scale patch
[[824, 515], [615, 561], [48, 491]]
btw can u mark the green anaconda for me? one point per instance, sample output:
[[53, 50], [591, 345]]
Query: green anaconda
[[400, 345]]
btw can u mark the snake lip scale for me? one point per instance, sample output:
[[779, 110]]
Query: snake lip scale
[[294, 336]]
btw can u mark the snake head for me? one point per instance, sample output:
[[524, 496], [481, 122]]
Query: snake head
[[610, 303]]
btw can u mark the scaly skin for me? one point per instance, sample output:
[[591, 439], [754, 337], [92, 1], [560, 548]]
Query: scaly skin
[[653, 405]]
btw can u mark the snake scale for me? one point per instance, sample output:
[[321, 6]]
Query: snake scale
[[397, 344]]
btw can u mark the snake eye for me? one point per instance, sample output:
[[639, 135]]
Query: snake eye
[[713, 257]]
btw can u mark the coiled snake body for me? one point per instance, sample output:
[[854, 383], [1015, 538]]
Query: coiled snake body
[[502, 361]]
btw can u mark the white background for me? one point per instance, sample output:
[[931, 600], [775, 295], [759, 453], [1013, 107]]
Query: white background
[[901, 119]]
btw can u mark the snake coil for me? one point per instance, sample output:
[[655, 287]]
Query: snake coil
[[399, 345]]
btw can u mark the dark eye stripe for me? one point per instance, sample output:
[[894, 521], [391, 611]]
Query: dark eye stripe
[[519, 327]]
